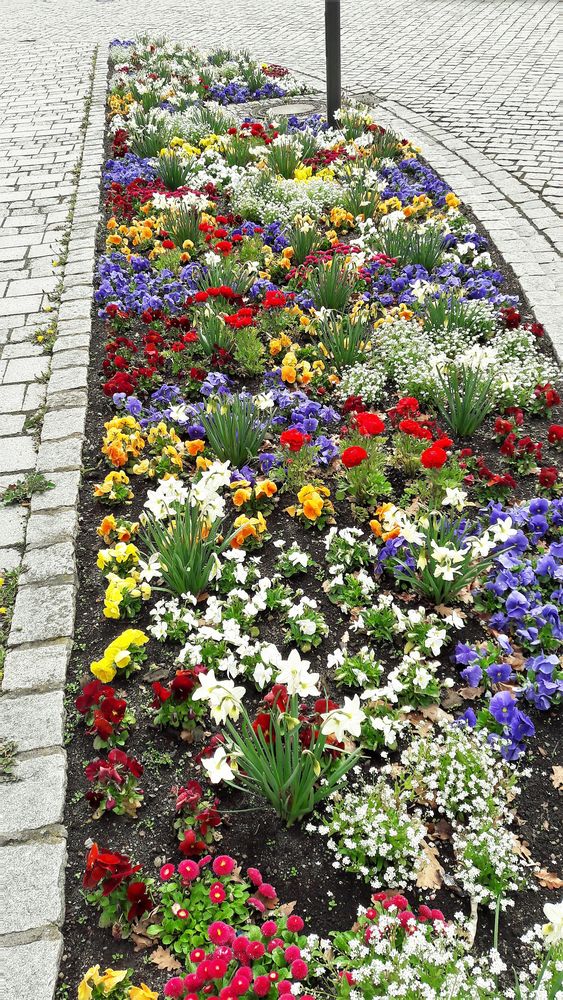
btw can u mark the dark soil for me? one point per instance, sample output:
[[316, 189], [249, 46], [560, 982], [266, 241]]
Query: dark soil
[[296, 863]]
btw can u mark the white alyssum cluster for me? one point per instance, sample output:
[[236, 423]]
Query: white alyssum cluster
[[370, 832]]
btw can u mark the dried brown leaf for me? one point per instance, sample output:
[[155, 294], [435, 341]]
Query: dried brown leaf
[[557, 776], [163, 959], [549, 880], [286, 909], [430, 875]]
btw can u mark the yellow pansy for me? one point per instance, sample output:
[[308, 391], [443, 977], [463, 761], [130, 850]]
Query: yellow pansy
[[93, 977], [111, 978], [142, 992]]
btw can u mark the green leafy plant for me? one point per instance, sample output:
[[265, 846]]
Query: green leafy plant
[[344, 340], [188, 549], [173, 171], [284, 157], [23, 489], [410, 245], [272, 763], [331, 285], [235, 429], [467, 398], [303, 238], [249, 351], [183, 224], [453, 314]]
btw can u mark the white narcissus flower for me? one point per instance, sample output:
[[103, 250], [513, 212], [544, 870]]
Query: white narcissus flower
[[553, 931], [454, 498], [347, 719], [218, 767], [294, 673]]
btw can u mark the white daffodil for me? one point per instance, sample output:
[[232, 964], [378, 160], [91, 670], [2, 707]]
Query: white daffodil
[[553, 931], [454, 497], [218, 767], [347, 719], [294, 673], [503, 530]]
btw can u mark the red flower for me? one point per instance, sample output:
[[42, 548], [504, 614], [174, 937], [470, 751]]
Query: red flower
[[548, 476], [353, 456], [369, 424], [274, 299], [139, 899], [555, 433], [108, 868], [414, 429], [503, 426], [294, 439], [91, 695], [434, 457], [353, 404], [217, 893]]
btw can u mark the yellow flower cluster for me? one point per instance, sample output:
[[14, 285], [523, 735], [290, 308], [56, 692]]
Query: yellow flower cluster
[[123, 441], [340, 217], [302, 372], [177, 143], [114, 489], [122, 653], [248, 527], [420, 204], [280, 343], [452, 201], [122, 557], [167, 450], [385, 525], [137, 235], [109, 980], [116, 529], [314, 502], [120, 105], [124, 594]]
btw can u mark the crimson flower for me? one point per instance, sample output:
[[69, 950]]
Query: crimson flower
[[107, 867], [434, 457], [353, 456], [369, 424]]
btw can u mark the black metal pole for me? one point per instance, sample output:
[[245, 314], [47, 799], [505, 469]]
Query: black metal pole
[[332, 50]]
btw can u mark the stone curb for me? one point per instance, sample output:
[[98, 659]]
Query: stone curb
[[32, 714]]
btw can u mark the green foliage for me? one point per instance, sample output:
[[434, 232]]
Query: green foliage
[[183, 224], [467, 398], [274, 765], [23, 489], [235, 429], [410, 245], [283, 158], [331, 285], [249, 351], [344, 340], [173, 171], [303, 238], [187, 549], [453, 314]]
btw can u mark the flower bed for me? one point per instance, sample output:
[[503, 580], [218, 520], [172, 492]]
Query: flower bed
[[320, 609]]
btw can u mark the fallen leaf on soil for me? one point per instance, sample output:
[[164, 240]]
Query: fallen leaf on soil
[[557, 777], [443, 610], [451, 699], [549, 880], [521, 848], [164, 959], [430, 875], [286, 909], [139, 935], [470, 693], [187, 735]]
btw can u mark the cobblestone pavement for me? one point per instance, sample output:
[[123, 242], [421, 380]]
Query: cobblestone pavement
[[473, 81]]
